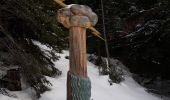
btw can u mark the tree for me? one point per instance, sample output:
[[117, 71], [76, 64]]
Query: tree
[[22, 22]]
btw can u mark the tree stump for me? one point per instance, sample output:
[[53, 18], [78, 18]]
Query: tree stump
[[11, 80]]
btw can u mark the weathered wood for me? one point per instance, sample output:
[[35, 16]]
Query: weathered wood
[[78, 63], [11, 80], [77, 18], [77, 49]]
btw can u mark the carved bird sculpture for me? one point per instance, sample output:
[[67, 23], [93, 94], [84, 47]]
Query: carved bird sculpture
[[94, 31]]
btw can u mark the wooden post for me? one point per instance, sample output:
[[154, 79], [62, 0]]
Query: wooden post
[[77, 50], [78, 65], [77, 18]]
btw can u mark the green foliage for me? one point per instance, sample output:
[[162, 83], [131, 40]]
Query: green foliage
[[139, 51], [137, 32], [21, 23]]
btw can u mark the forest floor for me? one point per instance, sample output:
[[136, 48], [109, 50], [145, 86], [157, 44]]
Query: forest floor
[[101, 89]]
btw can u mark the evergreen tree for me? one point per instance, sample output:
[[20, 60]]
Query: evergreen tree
[[137, 31], [22, 22]]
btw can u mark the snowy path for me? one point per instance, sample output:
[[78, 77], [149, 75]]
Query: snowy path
[[101, 90]]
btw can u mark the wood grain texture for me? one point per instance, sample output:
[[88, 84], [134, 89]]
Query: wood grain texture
[[78, 61], [77, 18]]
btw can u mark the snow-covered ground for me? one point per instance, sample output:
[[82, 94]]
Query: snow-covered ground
[[101, 90]]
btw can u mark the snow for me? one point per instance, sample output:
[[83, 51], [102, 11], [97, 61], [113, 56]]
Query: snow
[[2, 73], [21, 95], [101, 90]]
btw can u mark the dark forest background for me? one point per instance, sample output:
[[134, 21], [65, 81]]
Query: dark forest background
[[138, 34]]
